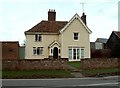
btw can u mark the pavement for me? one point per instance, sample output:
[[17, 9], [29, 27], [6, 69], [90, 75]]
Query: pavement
[[75, 72], [99, 82]]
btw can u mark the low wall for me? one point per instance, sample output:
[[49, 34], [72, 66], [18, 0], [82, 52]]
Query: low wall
[[34, 64], [100, 63]]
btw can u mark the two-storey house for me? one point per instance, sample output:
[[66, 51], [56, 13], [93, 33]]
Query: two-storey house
[[58, 39]]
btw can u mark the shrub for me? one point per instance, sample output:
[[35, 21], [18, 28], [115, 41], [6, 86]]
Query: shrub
[[101, 53]]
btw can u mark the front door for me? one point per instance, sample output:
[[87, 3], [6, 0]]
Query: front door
[[55, 53]]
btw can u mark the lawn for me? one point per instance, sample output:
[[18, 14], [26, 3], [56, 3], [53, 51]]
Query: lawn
[[75, 64], [36, 74], [101, 72], [96, 72]]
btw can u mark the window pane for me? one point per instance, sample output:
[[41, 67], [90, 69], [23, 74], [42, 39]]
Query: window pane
[[82, 53], [41, 50], [40, 38], [75, 36], [78, 53], [70, 53], [51, 51], [36, 37], [38, 50], [59, 50], [34, 50], [74, 53]]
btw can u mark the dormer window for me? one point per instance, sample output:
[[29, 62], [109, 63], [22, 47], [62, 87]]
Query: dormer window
[[76, 35], [38, 37]]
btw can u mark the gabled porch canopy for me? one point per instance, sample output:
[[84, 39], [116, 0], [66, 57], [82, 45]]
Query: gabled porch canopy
[[54, 49], [54, 43]]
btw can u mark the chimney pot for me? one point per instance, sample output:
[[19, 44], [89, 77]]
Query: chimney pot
[[51, 15]]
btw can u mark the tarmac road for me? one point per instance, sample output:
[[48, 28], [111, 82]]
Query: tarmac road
[[100, 82]]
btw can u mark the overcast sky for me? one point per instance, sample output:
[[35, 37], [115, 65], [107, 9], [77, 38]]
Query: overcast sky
[[17, 16]]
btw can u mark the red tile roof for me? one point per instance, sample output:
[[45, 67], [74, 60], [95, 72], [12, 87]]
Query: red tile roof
[[48, 26]]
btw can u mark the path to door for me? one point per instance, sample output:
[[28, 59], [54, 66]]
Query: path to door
[[75, 72]]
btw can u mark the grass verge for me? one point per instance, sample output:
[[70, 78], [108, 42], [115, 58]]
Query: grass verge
[[30, 74], [75, 64], [101, 72]]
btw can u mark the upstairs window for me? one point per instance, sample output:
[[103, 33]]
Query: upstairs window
[[38, 37], [75, 36]]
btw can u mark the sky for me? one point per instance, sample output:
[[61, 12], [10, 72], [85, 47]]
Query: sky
[[18, 16]]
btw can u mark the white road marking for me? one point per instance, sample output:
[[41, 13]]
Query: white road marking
[[111, 77], [100, 84]]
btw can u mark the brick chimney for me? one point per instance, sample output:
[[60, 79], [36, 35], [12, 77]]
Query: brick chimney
[[51, 15], [83, 18]]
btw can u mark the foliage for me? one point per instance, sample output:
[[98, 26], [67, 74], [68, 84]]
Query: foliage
[[101, 53]]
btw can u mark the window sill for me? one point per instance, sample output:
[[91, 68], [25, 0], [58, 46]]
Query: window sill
[[37, 41], [76, 40], [37, 55]]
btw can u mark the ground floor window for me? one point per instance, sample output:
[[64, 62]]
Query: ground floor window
[[37, 50], [82, 53], [75, 53]]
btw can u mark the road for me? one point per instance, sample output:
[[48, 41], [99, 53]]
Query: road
[[100, 82]]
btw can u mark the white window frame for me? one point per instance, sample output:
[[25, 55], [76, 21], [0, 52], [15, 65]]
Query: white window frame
[[34, 51], [41, 51], [70, 53], [37, 50], [76, 36], [79, 53], [82, 52], [38, 37]]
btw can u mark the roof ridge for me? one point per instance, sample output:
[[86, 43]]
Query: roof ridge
[[116, 32], [9, 41], [53, 21], [48, 26]]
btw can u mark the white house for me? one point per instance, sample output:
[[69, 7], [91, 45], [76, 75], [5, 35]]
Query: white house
[[59, 39]]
